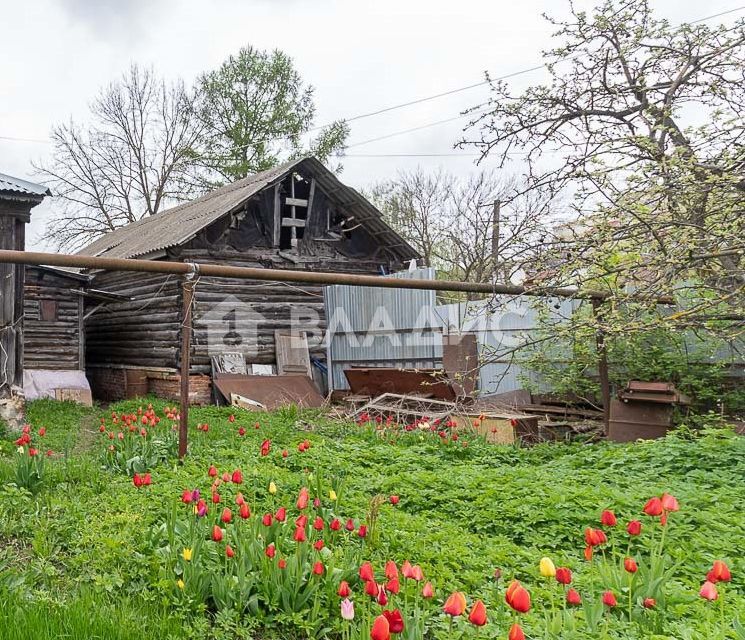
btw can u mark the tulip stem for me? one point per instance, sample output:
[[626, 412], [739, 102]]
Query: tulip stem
[[631, 604]]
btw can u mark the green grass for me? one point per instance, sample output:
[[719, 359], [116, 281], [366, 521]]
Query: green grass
[[78, 561]]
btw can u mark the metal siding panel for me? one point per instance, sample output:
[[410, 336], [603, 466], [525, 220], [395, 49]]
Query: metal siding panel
[[394, 345]]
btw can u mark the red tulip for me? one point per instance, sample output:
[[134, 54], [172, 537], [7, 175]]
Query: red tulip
[[395, 620], [241, 431], [318, 545], [477, 616], [229, 551], [381, 630], [653, 507], [237, 476], [266, 447], [215, 498], [282, 563], [231, 418], [227, 515], [719, 573], [216, 533], [516, 633], [574, 598], [588, 553], [267, 520], [302, 499], [608, 518], [285, 453], [137, 480], [362, 531], [42, 431], [270, 551], [318, 523], [382, 599], [649, 603], [609, 599], [318, 569], [407, 571], [244, 512], [708, 591], [239, 499], [335, 524], [455, 605], [630, 565], [344, 590], [391, 570], [393, 586], [281, 514], [634, 528], [299, 535], [212, 471], [563, 575], [594, 537], [416, 573], [147, 480], [428, 591], [225, 476], [301, 521], [517, 597], [394, 500], [371, 588], [349, 526], [669, 503], [366, 572]]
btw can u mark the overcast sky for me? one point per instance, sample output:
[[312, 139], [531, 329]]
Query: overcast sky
[[360, 56]]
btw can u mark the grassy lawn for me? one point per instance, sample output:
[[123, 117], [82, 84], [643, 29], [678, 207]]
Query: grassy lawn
[[89, 555]]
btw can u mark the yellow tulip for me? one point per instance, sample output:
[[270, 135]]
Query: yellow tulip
[[332, 495], [272, 488], [180, 584], [186, 554], [547, 568]]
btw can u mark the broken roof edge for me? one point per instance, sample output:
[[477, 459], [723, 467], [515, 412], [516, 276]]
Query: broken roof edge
[[253, 184]]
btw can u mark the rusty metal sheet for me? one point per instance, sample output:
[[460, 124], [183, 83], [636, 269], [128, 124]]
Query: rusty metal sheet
[[654, 387], [271, 391], [631, 421], [379, 380], [460, 359]]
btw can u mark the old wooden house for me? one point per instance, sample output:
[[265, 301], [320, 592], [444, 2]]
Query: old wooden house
[[295, 216], [17, 198]]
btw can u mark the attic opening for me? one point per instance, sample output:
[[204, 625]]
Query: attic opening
[[295, 203]]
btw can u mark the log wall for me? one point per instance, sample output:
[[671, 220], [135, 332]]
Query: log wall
[[143, 331], [52, 343]]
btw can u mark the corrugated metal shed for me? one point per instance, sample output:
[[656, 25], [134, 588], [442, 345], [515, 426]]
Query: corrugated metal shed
[[176, 226], [374, 327], [12, 186]]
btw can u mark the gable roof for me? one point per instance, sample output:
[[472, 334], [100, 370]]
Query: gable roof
[[16, 188], [180, 224]]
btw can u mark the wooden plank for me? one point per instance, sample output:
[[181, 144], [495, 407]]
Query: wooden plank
[[296, 202], [292, 352], [277, 214], [293, 222]]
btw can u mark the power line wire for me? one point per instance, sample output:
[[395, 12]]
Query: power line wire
[[429, 98]]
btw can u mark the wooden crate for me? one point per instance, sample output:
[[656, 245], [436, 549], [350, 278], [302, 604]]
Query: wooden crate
[[495, 429]]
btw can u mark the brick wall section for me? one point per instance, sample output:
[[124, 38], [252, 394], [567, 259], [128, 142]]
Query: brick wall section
[[110, 384], [168, 386], [107, 384]]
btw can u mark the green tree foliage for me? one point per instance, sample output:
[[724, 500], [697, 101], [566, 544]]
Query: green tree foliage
[[640, 123], [255, 110]]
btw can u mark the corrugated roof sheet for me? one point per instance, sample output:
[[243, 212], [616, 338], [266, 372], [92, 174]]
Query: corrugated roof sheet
[[176, 226], [22, 187]]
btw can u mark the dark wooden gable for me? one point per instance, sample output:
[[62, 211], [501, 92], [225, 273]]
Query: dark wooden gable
[[294, 216]]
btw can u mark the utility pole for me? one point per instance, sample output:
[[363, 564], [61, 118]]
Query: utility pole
[[496, 212]]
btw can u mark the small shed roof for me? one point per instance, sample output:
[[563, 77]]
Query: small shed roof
[[11, 187], [178, 225]]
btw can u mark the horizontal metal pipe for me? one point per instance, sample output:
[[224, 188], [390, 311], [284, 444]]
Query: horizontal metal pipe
[[287, 275]]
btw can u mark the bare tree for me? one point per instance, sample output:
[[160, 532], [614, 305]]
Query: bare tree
[[128, 163], [451, 222]]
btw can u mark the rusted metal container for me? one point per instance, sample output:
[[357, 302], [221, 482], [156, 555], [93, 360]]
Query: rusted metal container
[[643, 410]]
